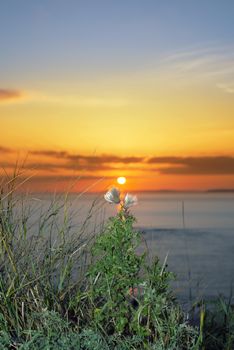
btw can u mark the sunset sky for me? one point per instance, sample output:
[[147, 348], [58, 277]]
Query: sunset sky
[[99, 89]]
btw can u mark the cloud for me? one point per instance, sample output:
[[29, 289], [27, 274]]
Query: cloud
[[216, 59], [51, 153], [65, 178], [227, 87], [97, 159], [199, 65], [7, 95], [55, 167], [5, 150], [54, 161], [216, 165], [107, 159]]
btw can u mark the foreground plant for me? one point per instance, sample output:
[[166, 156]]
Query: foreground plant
[[128, 297]]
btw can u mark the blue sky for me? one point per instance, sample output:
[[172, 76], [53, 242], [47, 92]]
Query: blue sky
[[91, 38]]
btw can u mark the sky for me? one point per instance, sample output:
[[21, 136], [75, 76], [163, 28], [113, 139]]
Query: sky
[[91, 90]]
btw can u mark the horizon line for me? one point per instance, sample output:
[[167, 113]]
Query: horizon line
[[212, 190]]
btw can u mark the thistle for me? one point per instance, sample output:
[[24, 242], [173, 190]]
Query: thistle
[[113, 197]]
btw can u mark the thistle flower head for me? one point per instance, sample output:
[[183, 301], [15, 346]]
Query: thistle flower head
[[113, 196], [129, 201]]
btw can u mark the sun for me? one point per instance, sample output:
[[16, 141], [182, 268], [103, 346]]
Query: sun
[[121, 180]]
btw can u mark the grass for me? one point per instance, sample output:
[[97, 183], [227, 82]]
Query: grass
[[217, 320], [41, 263], [85, 287]]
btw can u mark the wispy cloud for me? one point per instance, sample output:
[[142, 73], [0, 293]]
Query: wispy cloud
[[51, 153], [5, 150], [100, 159], [53, 161], [216, 165], [9, 95], [227, 87], [214, 64]]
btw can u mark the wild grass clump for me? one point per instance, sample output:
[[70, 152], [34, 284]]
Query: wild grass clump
[[218, 324], [43, 259]]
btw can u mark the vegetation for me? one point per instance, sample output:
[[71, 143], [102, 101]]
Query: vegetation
[[218, 324], [128, 297], [66, 287]]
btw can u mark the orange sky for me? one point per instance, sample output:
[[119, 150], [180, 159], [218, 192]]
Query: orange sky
[[171, 137], [54, 170], [118, 93]]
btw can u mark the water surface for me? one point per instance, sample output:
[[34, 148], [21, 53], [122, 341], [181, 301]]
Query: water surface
[[194, 230]]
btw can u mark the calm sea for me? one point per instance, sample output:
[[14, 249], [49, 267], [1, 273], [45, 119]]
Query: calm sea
[[195, 231]]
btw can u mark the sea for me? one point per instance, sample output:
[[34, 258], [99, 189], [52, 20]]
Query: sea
[[192, 233]]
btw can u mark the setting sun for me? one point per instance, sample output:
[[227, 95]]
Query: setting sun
[[121, 180]]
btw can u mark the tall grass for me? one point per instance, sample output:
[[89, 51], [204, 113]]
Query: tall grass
[[42, 263]]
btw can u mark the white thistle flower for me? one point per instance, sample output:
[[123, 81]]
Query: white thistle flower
[[113, 196], [129, 201]]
